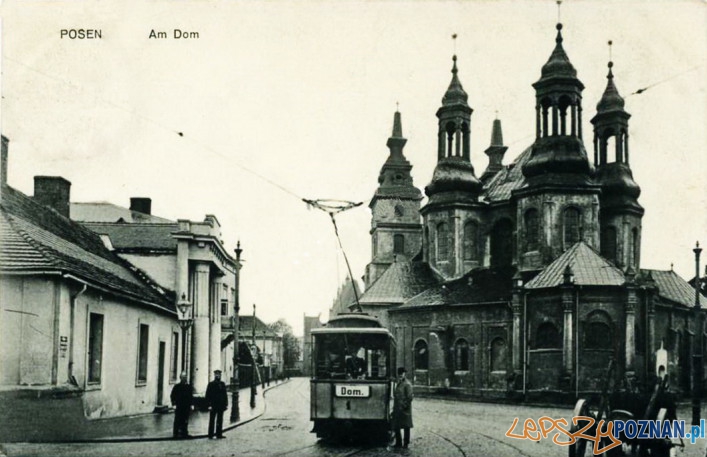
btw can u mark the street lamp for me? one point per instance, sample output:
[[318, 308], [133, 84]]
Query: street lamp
[[184, 315], [235, 402], [697, 353], [253, 385]]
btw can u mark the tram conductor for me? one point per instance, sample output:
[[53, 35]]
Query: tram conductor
[[402, 409]]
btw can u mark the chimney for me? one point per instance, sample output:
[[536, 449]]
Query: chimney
[[54, 192], [141, 205]]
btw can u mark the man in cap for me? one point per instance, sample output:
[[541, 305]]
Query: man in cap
[[217, 399], [402, 409], [181, 398]]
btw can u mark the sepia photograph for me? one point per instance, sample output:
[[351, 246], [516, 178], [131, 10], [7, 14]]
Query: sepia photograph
[[334, 228]]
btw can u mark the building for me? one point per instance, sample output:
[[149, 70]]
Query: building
[[527, 278], [348, 293], [185, 258], [82, 331], [265, 344]]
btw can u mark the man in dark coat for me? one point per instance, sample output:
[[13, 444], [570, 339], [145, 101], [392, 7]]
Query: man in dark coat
[[217, 399], [181, 398], [402, 409]]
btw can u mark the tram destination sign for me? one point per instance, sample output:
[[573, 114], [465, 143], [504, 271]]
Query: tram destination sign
[[355, 391]]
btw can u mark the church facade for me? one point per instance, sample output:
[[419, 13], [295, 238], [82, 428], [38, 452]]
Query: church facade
[[527, 278]]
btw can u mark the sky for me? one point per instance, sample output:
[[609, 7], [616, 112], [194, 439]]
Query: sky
[[276, 101]]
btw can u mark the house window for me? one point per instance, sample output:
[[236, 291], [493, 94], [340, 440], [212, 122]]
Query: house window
[[532, 230], [469, 246], [571, 226], [498, 354], [174, 356], [224, 307], [398, 244], [548, 337], [95, 347], [608, 245], [461, 355], [143, 340], [442, 242], [421, 355]]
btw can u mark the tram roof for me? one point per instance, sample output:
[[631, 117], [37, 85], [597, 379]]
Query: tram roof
[[369, 330]]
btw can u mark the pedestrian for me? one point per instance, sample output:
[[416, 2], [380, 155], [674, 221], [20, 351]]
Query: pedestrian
[[217, 399], [402, 409], [181, 398]]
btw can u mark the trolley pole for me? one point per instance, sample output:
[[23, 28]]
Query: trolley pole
[[235, 404], [253, 384], [697, 351]]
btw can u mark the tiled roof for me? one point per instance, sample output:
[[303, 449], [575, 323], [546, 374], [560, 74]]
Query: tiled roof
[[401, 281], [672, 287], [508, 179], [108, 212], [588, 267], [483, 285], [35, 239], [245, 327], [134, 237]]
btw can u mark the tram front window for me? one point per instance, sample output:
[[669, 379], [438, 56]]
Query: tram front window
[[351, 356]]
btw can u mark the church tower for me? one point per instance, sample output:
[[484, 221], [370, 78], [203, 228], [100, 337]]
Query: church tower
[[560, 204], [620, 215], [396, 232], [452, 215]]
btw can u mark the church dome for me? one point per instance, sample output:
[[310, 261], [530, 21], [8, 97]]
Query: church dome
[[610, 100], [617, 185], [455, 94], [558, 65], [559, 159], [453, 174]]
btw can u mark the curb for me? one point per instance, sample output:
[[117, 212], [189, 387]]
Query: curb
[[161, 438]]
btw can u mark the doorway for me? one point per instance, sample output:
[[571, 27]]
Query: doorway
[[160, 373]]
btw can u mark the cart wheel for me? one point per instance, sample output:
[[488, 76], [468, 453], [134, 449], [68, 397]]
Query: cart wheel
[[581, 447], [659, 447]]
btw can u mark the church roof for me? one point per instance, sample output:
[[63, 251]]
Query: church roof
[[108, 212], [508, 179], [672, 287], [455, 94], [558, 65], [36, 239], [588, 267], [401, 281], [479, 286]]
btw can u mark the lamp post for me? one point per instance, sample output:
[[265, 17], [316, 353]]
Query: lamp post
[[184, 315], [235, 383], [697, 352], [253, 384]]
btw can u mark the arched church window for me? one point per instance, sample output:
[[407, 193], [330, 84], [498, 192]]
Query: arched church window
[[398, 244], [532, 229], [571, 226], [421, 355], [548, 337], [399, 211], [502, 243], [442, 242], [608, 243], [450, 139], [461, 355], [498, 354], [563, 105], [469, 244], [597, 332]]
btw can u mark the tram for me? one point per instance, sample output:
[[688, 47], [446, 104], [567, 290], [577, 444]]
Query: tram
[[353, 365]]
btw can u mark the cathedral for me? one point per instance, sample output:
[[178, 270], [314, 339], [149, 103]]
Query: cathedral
[[525, 278]]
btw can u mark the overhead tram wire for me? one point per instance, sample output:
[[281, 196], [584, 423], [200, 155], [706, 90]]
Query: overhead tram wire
[[332, 208]]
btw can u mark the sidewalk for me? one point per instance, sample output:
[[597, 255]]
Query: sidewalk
[[143, 427]]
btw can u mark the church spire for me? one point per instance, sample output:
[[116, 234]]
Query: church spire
[[495, 152]]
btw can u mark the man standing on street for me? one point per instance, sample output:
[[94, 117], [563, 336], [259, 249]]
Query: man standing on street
[[217, 399], [181, 398], [402, 409]]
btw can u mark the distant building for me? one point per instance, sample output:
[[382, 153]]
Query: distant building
[[184, 258], [268, 345], [346, 296], [79, 326], [528, 278]]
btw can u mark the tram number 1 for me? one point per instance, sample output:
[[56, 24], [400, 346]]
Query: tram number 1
[[353, 391]]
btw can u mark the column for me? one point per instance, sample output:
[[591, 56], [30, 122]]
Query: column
[[568, 331], [630, 355], [201, 330], [517, 348], [457, 248], [215, 327]]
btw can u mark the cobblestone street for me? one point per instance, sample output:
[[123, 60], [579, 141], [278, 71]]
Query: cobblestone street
[[442, 428]]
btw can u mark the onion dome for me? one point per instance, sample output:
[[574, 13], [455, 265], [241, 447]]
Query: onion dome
[[558, 160], [455, 94], [618, 189], [611, 100], [558, 65], [453, 174]]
